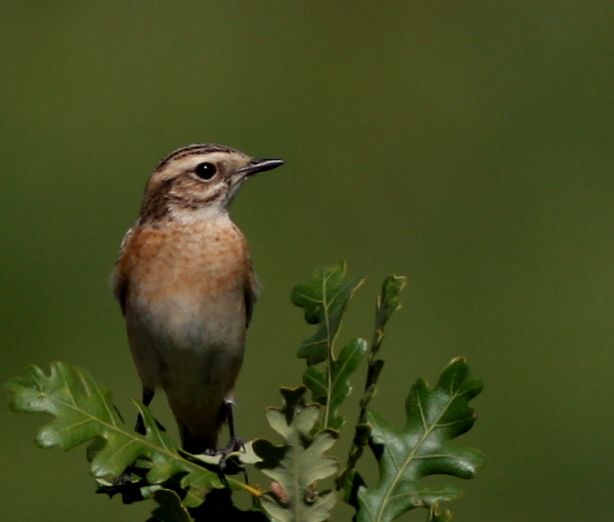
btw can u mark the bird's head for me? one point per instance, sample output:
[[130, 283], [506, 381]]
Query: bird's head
[[199, 180]]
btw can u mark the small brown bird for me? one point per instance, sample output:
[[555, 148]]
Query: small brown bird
[[186, 286]]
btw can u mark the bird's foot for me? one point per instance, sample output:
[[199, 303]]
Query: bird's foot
[[226, 452], [235, 444]]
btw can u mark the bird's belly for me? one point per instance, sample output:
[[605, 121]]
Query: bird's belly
[[189, 322], [183, 340], [193, 349]]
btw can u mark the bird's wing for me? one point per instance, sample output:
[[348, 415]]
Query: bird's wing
[[252, 289], [119, 278]]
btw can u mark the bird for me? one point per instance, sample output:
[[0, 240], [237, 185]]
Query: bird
[[186, 287]]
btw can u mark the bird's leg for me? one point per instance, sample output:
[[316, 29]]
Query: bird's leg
[[235, 443], [147, 397]]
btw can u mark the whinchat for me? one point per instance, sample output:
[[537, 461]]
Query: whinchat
[[186, 287]]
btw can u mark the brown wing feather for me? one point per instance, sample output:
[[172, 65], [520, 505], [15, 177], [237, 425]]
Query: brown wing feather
[[119, 277], [252, 289]]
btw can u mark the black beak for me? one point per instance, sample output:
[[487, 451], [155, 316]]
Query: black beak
[[260, 165]]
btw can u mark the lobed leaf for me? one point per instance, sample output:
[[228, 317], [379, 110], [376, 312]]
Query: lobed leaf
[[333, 393], [387, 303], [170, 508], [298, 464], [83, 411], [323, 299], [434, 417]]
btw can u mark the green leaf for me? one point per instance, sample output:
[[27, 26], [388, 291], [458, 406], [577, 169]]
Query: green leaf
[[170, 508], [333, 393], [387, 303], [298, 464], [323, 298], [80, 405], [434, 417], [83, 411]]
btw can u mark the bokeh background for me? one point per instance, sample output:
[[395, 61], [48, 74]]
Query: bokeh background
[[465, 144]]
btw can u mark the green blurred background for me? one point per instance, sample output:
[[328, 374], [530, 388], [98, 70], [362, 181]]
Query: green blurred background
[[465, 144]]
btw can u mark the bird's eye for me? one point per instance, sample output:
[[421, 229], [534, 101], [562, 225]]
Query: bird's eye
[[205, 171]]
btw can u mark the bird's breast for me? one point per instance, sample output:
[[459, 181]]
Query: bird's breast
[[186, 284]]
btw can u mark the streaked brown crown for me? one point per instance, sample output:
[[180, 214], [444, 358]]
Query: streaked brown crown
[[198, 148]]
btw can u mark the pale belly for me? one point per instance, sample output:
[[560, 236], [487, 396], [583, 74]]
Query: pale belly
[[186, 334], [193, 350]]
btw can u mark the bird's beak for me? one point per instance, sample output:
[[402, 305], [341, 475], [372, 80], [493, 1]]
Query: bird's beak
[[259, 165]]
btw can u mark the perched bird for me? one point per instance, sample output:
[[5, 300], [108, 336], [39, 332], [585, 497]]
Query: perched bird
[[186, 287]]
